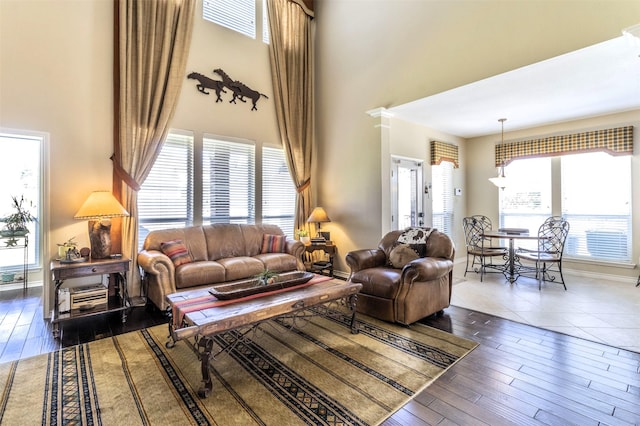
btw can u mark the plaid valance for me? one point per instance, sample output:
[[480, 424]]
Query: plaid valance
[[442, 151], [617, 141]]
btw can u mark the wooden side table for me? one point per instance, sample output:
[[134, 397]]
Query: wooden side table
[[116, 268], [323, 268]]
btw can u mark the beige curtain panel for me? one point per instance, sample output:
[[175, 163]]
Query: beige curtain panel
[[291, 53], [152, 49]]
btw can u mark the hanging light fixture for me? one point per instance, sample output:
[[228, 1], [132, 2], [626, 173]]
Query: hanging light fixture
[[500, 181]]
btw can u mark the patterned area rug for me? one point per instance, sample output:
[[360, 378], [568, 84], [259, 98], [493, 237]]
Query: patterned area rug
[[316, 373]]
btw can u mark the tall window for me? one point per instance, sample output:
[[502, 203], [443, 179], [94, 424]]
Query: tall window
[[278, 191], [228, 178], [21, 175], [228, 187], [526, 201], [166, 198], [596, 200], [442, 197]]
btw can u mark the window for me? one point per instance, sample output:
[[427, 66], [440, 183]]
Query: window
[[22, 177], [442, 197], [165, 200], [278, 191], [228, 192], [526, 201], [595, 197], [229, 182], [596, 200], [237, 15]]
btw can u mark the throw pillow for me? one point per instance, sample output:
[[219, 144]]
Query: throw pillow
[[273, 243], [416, 238], [401, 255], [177, 252]]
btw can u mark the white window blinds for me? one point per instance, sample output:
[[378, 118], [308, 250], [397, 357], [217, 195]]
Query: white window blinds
[[165, 198], [278, 191], [238, 15], [228, 176], [442, 197]]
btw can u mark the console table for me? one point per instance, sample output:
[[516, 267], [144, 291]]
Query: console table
[[116, 268]]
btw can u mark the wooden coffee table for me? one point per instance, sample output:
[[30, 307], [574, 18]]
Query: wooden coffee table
[[197, 316]]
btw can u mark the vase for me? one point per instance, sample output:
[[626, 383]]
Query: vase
[[305, 240]]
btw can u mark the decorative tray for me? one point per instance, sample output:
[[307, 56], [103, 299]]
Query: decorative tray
[[251, 286]]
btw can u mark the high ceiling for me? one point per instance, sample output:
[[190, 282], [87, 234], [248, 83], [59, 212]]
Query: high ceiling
[[598, 80]]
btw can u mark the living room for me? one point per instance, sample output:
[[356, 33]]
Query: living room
[[56, 78], [70, 52]]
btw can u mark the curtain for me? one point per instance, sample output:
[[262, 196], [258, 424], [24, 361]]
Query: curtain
[[291, 52], [442, 151], [152, 46], [615, 141]]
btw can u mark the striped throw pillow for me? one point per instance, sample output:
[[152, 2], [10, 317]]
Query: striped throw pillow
[[273, 243], [177, 252]]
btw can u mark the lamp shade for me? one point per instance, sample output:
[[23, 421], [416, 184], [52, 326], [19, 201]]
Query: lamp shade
[[101, 204], [318, 215]]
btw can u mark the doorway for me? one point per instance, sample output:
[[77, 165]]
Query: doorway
[[406, 193]]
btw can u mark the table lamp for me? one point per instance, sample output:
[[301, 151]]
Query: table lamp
[[99, 208], [318, 216]]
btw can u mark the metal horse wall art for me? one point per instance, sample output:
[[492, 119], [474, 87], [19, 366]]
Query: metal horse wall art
[[240, 90]]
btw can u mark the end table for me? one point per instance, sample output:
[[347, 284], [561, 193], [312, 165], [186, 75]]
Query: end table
[[323, 268], [116, 268]]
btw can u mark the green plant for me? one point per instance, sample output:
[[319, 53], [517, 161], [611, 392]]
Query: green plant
[[20, 218], [302, 232], [266, 276]]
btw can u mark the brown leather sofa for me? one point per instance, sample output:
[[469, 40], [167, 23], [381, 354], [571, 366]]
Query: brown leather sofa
[[212, 254], [404, 293]]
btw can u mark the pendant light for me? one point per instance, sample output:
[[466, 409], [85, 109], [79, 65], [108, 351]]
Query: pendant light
[[500, 181]]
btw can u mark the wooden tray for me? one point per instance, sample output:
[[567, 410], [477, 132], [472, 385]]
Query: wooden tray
[[249, 287]]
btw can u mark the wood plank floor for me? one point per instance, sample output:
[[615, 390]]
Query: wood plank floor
[[519, 375]]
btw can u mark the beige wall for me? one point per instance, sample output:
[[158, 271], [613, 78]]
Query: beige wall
[[374, 54]]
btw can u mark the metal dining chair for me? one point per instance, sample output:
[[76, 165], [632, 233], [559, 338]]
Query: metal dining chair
[[548, 257], [479, 247]]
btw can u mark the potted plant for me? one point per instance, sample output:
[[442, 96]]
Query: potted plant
[[16, 223], [266, 277], [64, 248], [303, 236]]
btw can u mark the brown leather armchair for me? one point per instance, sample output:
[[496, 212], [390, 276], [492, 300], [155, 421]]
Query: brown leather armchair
[[398, 291]]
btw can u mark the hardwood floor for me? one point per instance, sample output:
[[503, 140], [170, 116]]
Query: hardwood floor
[[518, 375]]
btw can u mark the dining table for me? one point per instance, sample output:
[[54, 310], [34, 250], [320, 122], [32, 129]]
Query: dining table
[[509, 268]]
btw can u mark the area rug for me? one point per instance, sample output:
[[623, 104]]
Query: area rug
[[315, 373]]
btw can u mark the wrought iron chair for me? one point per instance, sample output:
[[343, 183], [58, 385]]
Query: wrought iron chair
[[548, 258], [479, 247]]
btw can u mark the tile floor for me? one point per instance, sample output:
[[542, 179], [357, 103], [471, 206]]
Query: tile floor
[[594, 309]]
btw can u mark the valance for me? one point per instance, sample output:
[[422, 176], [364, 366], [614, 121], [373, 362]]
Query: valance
[[442, 151], [615, 141]]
